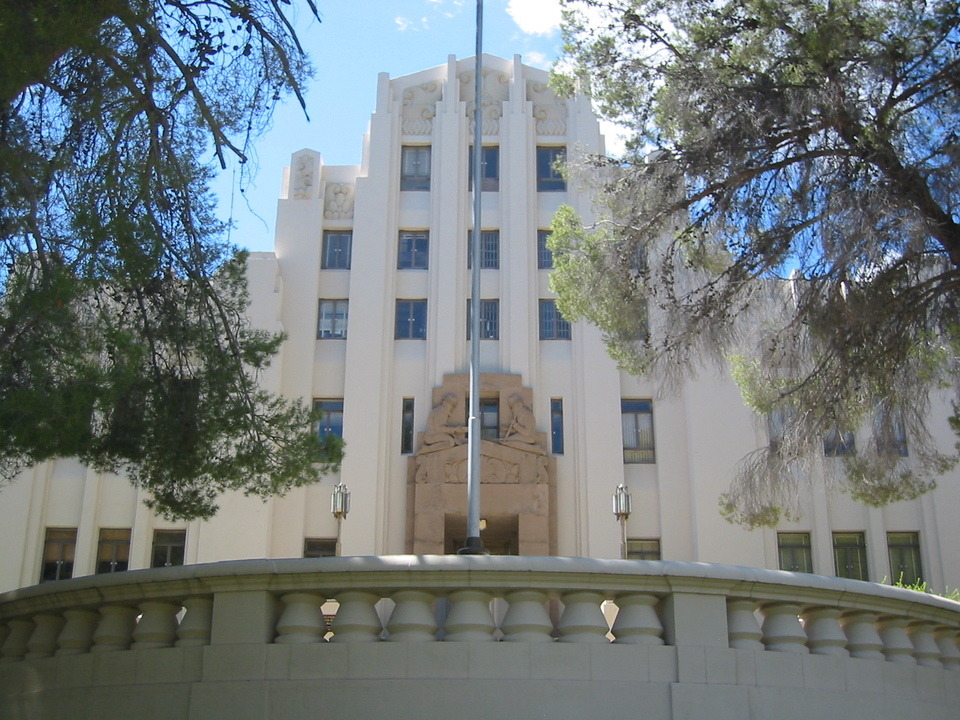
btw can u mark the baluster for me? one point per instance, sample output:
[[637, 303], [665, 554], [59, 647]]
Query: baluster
[[195, 625], [527, 619], [782, 631], [43, 639], [301, 621], [356, 619], [157, 627], [637, 621], [469, 618], [115, 629], [946, 639], [825, 636], [897, 646], [582, 620], [15, 646], [412, 619], [77, 634], [742, 626], [925, 648], [863, 639]]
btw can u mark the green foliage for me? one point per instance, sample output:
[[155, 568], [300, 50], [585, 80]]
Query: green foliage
[[124, 339], [921, 586], [793, 180]]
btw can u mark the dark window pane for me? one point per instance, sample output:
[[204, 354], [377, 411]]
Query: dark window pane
[[331, 422], [413, 250], [556, 426], [411, 320], [794, 551], [549, 178], [637, 422], [336, 250], [553, 326], [415, 167], [544, 255]]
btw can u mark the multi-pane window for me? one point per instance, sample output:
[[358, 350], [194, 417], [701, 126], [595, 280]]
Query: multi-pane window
[[413, 250], [59, 546], [331, 417], [489, 249], [549, 178], [778, 422], [850, 555], [556, 426], [636, 418], [889, 431], [415, 167], [411, 320], [643, 549], [553, 326], [489, 319], [319, 547], [489, 418], [544, 254], [838, 444], [168, 548], [489, 168], [904, 548], [335, 254], [332, 319], [795, 552], [406, 426], [113, 550]]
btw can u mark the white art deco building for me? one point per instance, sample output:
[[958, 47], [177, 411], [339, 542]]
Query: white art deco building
[[370, 280]]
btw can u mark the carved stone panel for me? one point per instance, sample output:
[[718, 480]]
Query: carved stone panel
[[496, 89], [419, 107], [338, 201], [516, 473], [305, 175], [549, 111]]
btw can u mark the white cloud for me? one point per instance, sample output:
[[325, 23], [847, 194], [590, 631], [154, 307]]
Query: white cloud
[[537, 59], [535, 17], [403, 24]]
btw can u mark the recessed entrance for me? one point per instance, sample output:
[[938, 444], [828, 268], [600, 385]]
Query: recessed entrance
[[501, 536]]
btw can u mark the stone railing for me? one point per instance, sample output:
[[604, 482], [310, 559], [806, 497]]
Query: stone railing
[[478, 599], [535, 636]]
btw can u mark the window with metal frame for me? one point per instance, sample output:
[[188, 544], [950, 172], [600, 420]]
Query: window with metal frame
[[553, 326], [794, 551], [489, 249], [549, 178], [643, 549], [489, 168], [411, 320], [636, 418], [332, 319], [319, 547], [406, 426], [489, 319], [331, 417], [335, 254], [59, 548], [544, 254], [168, 548], [556, 426], [113, 550], [839, 444], [415, 167], [850, 555], [413, 250], [889, 431], [904, 549]]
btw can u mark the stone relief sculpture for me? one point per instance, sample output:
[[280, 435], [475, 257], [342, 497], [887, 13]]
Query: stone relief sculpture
[[304, 175], [496, 89], [419, 107], [440, 434], [522, 432], [338, 201], [549, 111]]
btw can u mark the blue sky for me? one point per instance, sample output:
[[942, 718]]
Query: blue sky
[[357, 40]]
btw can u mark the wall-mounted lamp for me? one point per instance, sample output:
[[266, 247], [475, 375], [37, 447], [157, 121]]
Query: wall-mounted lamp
[[622, 507], [340, 506]]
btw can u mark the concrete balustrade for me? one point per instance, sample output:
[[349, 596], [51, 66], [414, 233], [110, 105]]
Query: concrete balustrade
[[678, 621]]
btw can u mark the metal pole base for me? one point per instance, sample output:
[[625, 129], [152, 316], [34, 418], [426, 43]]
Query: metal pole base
[[474, 546]]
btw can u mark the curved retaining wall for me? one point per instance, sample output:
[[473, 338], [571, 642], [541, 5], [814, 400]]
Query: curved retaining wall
[[475, 637]]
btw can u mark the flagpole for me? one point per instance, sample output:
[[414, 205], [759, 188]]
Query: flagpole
[[473, 545]]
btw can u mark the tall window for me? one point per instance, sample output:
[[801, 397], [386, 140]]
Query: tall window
[[59, 546], [489, 168], [332, 319], [850, 555], [406, 427], [643, 549], [489, 418], [489, 249], [489, 319], [794, 551], [553, 326], [413, 250], [636, 417], [415, 167], [889, 431], [411, 321], [556, 426], [113, 550], [168, 547], [544, 254], [335, 254], [331, 417], [838, 444], [319, 547], [549, 178], [904, 548], [778, 422]]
